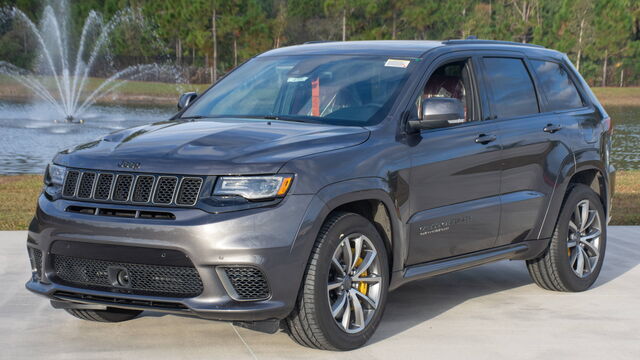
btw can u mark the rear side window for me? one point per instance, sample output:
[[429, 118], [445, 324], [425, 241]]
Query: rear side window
[[511, 86], [560, 90]]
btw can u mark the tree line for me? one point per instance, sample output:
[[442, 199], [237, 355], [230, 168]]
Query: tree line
[[601, 37]]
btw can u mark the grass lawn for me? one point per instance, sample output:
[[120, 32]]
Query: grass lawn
[[18, 194], [618, 96], [145, 92]]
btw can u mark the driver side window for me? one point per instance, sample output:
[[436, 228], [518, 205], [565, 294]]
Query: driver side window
[[451, 80]]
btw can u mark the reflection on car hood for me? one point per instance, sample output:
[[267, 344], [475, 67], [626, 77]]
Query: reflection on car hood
[[212, 147]]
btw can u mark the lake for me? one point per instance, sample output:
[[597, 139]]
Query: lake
[[29, 138], [626, 136]]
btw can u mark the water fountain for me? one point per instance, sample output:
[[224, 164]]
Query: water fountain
[[74, 79], [60, 75]]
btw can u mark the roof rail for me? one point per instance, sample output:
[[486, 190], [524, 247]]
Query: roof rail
[[489, 42]]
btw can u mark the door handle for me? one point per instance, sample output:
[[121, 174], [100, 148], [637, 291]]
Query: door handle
[[551, 128], [485, 139]]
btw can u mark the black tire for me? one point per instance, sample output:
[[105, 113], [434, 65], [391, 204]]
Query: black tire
[[553, 270], [109, 315], [311, 323]]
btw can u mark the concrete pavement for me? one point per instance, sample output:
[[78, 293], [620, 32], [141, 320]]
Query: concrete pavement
[[491, 312]]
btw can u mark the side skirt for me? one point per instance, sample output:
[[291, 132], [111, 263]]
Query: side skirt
[[439, 267]]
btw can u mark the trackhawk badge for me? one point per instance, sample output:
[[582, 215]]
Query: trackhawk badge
[[129, 164]]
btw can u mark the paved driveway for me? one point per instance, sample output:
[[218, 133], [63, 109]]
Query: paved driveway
[[491, 312]]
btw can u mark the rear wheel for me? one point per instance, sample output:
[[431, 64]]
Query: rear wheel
[[345, 286], [109, 315], [573, 260]]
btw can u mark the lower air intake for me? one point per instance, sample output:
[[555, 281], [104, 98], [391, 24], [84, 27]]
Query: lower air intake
[[35, 257], [143, 279], [248, 283]]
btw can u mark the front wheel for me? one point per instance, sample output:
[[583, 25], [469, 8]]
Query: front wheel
[[573, 260], [345, 286]]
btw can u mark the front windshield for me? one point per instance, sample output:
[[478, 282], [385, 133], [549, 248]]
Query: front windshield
[[332, 89]]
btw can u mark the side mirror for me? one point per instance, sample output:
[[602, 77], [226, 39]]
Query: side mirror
[[186, 99], [439, 112]]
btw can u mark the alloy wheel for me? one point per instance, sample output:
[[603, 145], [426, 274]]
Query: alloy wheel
[[354, 283], [583, 243]]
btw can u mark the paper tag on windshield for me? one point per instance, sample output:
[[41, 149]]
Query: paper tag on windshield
[[297, 79], [397, 63]]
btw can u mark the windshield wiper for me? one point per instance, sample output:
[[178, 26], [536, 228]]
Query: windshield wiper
[[302, 119], [195, 117]]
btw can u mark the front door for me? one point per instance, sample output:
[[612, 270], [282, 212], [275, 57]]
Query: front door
[[455, 175]]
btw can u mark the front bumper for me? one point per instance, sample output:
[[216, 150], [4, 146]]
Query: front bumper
[[275, 240]]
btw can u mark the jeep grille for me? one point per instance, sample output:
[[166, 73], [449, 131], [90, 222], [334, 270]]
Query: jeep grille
[[139, 189]]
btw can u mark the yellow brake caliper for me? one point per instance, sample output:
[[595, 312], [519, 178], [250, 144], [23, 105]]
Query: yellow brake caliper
[[363, 287]]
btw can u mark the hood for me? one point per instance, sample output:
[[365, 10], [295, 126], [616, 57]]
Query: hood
[[211, 147]]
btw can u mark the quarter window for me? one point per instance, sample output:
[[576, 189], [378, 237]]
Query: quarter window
[[560, 90], [511, 86]]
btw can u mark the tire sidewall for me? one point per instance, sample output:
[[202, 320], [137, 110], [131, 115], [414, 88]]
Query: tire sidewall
[[347, 224], [566, 274]]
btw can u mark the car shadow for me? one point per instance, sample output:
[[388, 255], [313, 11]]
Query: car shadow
[[426, 299], [622, 254], [423, 300]]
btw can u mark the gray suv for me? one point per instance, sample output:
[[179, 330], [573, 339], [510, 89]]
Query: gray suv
[[306, 184]]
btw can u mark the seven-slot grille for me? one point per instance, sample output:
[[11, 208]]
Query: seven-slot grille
[[131, 188]]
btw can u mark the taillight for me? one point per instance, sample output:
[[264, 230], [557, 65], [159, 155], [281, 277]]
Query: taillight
[[608, 125]]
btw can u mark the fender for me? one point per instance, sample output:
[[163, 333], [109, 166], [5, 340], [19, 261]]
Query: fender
[[567, 169], [334, 195], [584, 160]]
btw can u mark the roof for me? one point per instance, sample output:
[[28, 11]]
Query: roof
[[404, 48], [408, 48]]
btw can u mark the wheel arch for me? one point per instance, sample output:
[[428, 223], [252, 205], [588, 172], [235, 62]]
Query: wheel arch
[[370, 198], [589, 174]]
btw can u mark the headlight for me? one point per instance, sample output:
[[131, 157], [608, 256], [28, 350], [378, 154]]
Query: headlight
[[54, 175], [253, 187]]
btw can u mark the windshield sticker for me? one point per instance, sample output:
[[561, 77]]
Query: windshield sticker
[[297, 79], [397, 63]]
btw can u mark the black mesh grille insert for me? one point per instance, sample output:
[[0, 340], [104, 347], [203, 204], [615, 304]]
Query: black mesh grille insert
[[86, 185], [248, 282], [132, 188], [165, 189], [142, 190], [103, 188], [158, 280], [189, 190], [121, 190], [70, 183]]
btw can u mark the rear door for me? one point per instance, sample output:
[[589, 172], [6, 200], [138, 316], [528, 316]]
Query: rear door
[[455, 176], [533, 149]]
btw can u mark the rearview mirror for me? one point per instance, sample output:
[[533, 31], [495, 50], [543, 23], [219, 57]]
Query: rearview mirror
[[439, 112], [186, 99]]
